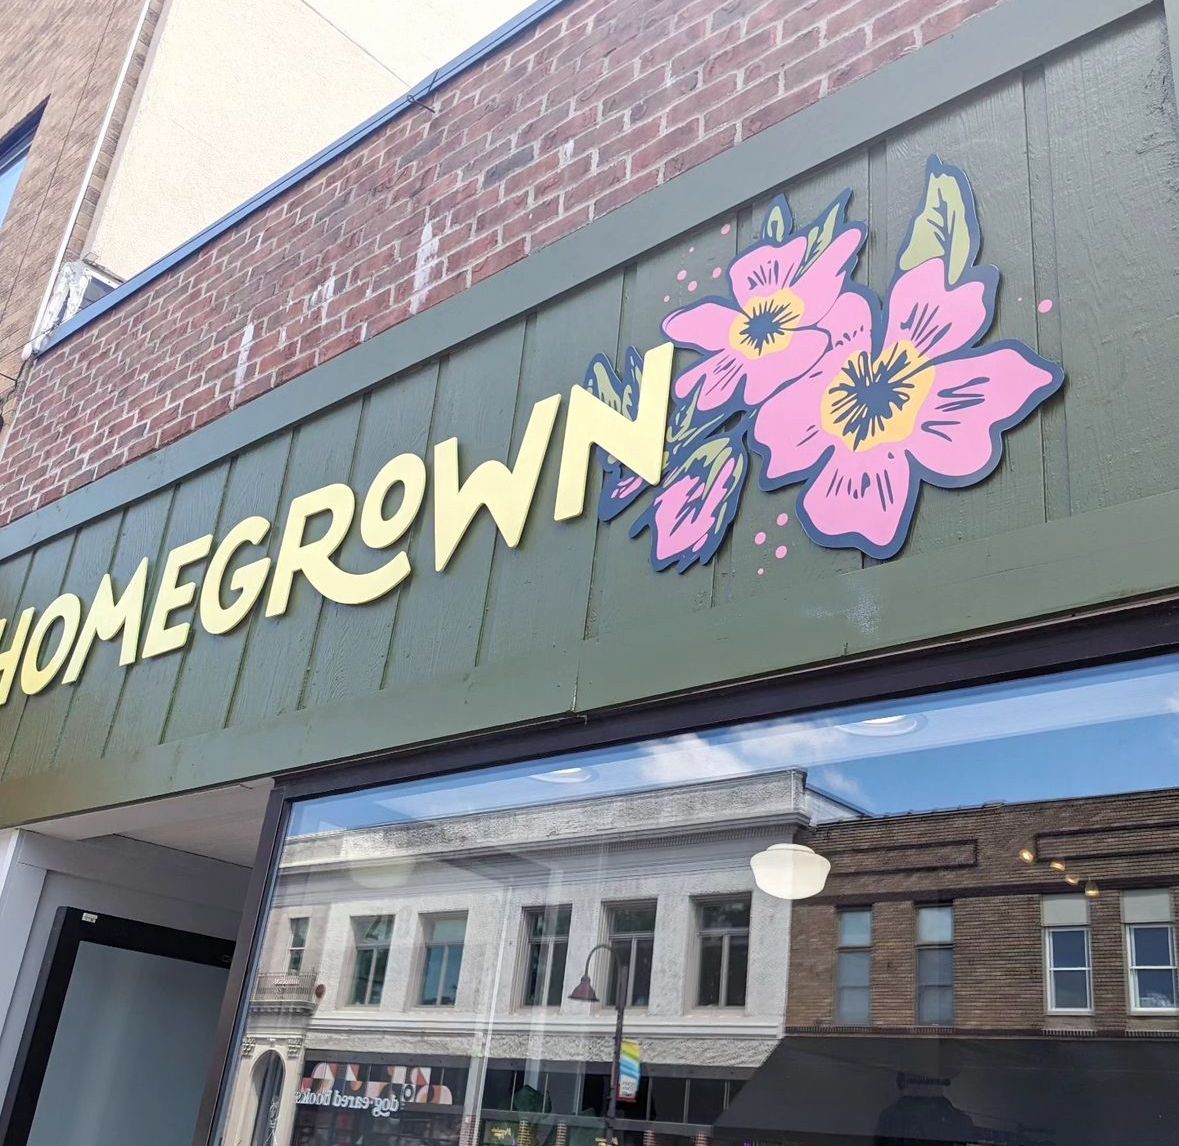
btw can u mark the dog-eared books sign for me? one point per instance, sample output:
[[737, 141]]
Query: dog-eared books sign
[[857, 399]]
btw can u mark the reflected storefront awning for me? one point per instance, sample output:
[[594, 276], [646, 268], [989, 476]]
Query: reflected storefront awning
[[1086, 1091]]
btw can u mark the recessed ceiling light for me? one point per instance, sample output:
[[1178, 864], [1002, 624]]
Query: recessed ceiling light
[[884, 725], [564, 776]]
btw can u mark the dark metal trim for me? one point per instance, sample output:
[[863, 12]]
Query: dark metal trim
[[71, 927], [415, 97], [1002, 40], [232, 1017]]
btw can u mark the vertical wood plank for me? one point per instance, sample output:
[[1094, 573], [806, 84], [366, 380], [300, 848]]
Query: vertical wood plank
[[1115, 180], [538, 593], [96, 695], [211, 664], [986, 137], [44, 718], [46, 573], [440, 615], [352, 641], [278, 649], [147, 692]]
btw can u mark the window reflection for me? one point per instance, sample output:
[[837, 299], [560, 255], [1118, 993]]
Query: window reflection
[[990, 958]]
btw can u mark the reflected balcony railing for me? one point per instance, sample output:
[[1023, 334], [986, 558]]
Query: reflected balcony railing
[[280, 991]]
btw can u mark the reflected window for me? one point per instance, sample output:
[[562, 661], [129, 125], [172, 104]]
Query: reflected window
[[443, 959], [1150, 947], [853, 968], [1068, 952], [547, 929], [298, 945], [14, 154], [724, 952], [632, 939], [935, 966], [373, 934]]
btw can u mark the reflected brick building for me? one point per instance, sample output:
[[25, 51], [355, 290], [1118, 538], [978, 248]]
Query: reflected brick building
[[1027, 950]]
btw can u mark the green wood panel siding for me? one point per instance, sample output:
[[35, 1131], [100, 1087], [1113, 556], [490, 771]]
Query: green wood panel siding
[[538, 592], [278, 649], [440, 617], [352, 641], [96, 696], [148, 685], [1076, 170], [1115, 170], [210, 670]]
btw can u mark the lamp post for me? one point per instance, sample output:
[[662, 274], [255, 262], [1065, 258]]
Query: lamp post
[[584, 993]]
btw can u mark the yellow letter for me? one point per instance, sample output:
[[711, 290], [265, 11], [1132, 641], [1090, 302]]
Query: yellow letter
[[172, 595], [68, 609], [312, 558], [638, 444], [108, 617], [10, 657], [247, 582], [507, 493]]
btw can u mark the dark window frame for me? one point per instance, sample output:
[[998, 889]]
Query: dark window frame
[[547, 943], [15, 148], [842, 950], [373, 991], [726, 934], [297, 948], [1120, 634], [632, 939], [447, 947]]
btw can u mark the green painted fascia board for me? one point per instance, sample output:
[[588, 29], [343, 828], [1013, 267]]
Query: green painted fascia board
[[1063, 567], [1006, 38]]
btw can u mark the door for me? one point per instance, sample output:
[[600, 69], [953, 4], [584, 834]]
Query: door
[[119, 1037]]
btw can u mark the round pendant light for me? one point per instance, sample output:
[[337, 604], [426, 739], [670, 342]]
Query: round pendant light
[[790, 871]]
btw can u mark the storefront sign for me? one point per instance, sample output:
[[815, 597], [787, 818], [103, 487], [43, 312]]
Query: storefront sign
[[859, 400]]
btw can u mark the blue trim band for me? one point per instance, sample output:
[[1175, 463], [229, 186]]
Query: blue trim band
[[414, 97]]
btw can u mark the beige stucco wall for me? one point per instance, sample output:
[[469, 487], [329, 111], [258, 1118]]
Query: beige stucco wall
[[238, 92]]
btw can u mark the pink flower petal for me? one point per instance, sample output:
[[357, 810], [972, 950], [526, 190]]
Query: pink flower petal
[[717, 378], [703, 326], [787, 427], [766, 269], [684, 518], [973, 400], [822, 282], [936, 318], [860, 500], [773, 371]]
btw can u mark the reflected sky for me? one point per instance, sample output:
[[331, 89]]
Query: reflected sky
[[1084, 733]]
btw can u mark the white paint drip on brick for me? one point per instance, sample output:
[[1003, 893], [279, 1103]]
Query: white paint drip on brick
[[565, 152], [322, 297], [243, 358], [423, 264]]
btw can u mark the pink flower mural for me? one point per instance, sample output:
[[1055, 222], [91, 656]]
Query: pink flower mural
[[859, 401]]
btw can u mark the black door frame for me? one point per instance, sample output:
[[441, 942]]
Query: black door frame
[[73, 926]]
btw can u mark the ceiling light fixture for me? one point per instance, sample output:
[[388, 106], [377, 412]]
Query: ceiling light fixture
[[1057, 865], [1092, 891], [1027, 855], [564, 776], [884, 725], [790, 871]]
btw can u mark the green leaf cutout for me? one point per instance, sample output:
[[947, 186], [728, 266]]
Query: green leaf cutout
[[944, 228], [823, 230], [779, 221]]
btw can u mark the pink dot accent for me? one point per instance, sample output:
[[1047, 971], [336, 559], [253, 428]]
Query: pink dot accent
[[667, 298], [1045, 305], [680, 276], [716, 272], [759, 538], [726, 228], [783, 518], [693, 285], [780, 552], [761, 572]]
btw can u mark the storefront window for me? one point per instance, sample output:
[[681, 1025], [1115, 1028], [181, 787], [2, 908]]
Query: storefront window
[[946, 919]]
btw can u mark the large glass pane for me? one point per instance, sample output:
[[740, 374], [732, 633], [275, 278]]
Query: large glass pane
[[942, 973]]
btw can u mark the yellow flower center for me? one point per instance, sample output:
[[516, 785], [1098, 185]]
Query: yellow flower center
[[767, 324]]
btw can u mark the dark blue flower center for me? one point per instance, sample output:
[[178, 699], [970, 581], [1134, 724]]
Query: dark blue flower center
[[766, 321], [870, 392]]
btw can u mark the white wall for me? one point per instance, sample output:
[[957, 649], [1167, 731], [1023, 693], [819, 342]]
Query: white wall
[[236, 93], [111, 876]]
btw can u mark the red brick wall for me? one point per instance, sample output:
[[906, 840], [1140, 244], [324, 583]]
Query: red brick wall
[[601, 102], [65, 54]]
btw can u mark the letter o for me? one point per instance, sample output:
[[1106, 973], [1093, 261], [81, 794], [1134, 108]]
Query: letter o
[[33, 676]]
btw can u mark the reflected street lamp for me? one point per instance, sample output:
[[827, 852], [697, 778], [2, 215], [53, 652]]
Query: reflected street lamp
[[584, 993]]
